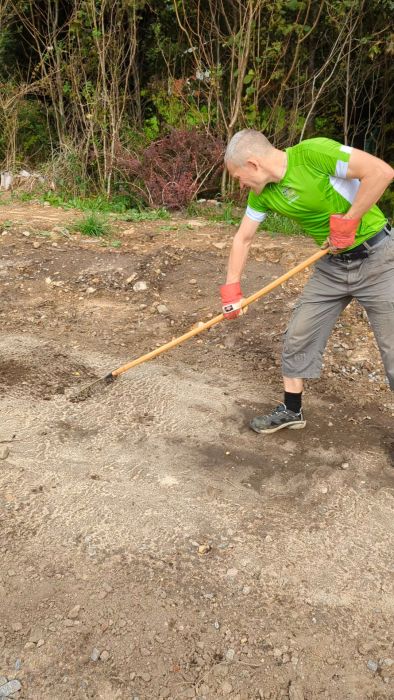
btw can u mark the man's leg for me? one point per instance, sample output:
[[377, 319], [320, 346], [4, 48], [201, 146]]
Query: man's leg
[[323, 299], [381, 318], [295, 385], [376, 294]]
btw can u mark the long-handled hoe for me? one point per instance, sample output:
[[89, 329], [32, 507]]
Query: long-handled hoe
[[91, 389]]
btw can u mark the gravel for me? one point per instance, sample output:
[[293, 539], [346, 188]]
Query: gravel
[[95, 655], [372, 665]]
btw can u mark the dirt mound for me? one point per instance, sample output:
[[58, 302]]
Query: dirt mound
[[43, 374]]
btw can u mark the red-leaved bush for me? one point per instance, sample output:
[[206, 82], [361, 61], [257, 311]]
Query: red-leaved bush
[[171, 171]]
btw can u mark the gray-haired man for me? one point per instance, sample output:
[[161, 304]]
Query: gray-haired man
[[331, 190]]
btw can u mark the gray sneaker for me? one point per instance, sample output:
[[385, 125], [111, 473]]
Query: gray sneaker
[[280, 418]]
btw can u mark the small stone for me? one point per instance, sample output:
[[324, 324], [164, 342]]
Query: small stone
[[193, 223], [131, 278], [387, 662], [68, 623], [296, 691], [95, 655], [227, 688], [205, 549], [220, 670], [365, 648], [372, 665], [104, 656], [231, 573], [40, 643], [26, 233], [193, 281], [230, 654], [36, 244], [90, 290], [9, 688], [162, 309], [18, 665], [140, 286], [145, 677], [220, 245], [35, 635], [345, 465], [74, 612], [16, 626], [246, 590], [4, 452]]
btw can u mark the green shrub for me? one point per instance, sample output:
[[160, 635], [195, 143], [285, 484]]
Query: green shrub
[[93, 224]]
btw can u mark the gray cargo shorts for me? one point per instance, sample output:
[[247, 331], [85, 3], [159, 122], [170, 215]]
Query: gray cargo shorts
[[331, 288]]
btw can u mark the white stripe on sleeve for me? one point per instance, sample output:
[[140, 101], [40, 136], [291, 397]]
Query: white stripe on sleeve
[[346, 188], [255, 215], [341, 168]]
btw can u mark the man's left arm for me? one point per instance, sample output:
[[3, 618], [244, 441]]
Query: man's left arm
[[375, 176]]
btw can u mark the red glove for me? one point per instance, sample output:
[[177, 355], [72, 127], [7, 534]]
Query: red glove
[[342, 231], [231, 300]]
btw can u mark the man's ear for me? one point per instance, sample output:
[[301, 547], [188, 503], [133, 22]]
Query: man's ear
[[253, 163]]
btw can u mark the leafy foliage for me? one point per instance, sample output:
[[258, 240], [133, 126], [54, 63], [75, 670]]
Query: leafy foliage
[[172, 170], [84, 84]]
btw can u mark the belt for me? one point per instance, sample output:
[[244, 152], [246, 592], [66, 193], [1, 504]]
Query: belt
[[362, 250]]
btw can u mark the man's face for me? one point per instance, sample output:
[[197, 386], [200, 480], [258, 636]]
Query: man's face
[[250, 175]]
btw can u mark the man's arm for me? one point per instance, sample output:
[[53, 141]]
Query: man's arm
[[240, 249], [375, 176]]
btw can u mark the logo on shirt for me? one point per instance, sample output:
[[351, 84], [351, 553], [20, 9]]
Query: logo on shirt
[[290, 194]]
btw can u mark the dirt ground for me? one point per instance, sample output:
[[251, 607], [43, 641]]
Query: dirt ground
[[151, 545]]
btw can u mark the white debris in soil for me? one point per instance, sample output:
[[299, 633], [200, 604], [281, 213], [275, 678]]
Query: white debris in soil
[[9, 688]]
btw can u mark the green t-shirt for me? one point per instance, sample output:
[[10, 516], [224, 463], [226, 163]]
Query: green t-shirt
[[313, 188]]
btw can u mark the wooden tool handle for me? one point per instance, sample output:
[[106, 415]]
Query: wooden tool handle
[[213, 321]]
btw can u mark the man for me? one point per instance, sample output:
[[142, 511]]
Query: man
[[331, 191]]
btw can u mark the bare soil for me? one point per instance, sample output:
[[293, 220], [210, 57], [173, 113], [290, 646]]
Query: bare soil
[[151, 545]]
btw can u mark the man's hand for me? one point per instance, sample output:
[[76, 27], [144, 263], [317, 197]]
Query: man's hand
[[231, 296], [342, 232]]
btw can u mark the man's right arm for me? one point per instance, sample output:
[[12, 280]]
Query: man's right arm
[[240, 249], [231, 293]]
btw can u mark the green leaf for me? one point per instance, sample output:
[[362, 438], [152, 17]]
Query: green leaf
[[249, 77]]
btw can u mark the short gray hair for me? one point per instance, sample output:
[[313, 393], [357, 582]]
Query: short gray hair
[[245, 143]]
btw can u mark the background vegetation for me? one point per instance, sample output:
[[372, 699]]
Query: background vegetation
[[139, 97]]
